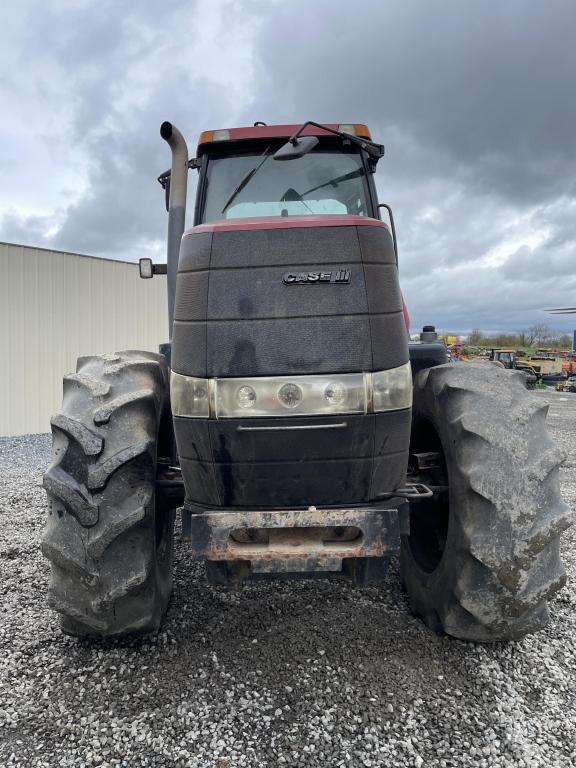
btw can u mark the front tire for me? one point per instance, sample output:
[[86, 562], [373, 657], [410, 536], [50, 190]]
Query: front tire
[[109, 543], [482, 558]]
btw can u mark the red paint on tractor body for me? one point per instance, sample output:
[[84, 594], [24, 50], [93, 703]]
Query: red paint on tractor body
[[286, 222], [274, 132], [406, 315]]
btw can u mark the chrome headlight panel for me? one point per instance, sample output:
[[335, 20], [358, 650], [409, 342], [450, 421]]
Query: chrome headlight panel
[[291, 396], [346, 393]]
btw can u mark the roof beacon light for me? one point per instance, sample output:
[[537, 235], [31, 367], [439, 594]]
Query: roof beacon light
[[355, 129], [207, 137]]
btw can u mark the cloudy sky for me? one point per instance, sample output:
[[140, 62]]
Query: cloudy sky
[[475, 102]]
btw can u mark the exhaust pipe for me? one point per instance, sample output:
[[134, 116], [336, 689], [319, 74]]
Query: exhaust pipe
[[176, 208]]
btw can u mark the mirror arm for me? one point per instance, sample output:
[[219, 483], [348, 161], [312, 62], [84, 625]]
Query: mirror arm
[[164, 181], [164, 178], [373, 149]]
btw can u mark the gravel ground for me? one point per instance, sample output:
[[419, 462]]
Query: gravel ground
[[295, 674]]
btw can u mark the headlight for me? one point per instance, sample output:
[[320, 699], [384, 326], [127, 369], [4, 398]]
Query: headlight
[[335, 392], [246, 397], [291, 396], [189, 396], [392, 389]]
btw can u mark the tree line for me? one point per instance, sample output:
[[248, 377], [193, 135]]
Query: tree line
[[536, 337]]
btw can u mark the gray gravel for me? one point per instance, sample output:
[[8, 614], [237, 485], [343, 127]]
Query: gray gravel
[[295, 674]]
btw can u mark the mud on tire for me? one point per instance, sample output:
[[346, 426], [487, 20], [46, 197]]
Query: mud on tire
[[483, 558], [109, 546]]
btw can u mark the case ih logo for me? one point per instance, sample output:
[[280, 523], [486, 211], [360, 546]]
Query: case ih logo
[[339, 276]]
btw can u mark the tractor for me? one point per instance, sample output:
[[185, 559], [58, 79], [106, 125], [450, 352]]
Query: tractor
[[289, 422], [568, 385], [510, 359]]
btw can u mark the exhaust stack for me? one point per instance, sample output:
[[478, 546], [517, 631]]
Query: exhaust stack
[[176, 207]]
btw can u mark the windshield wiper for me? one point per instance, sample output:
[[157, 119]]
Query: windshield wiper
[[251, 173], [292, 195], [338, 180]]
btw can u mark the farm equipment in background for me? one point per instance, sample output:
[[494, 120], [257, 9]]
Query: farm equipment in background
[[289, 419], [569, 385], [569, 366], [510, 359]]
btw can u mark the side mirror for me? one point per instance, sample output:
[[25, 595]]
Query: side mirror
[[146, 268], [296, 148]]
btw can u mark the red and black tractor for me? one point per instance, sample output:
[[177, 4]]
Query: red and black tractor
[[291, 421]]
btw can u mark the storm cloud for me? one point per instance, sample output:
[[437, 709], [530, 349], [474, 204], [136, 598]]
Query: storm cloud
[[474, 102]]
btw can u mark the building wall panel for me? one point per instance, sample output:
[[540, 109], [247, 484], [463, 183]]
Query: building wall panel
[[57, 306]]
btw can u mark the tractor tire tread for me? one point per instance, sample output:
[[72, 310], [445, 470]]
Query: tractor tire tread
[[108, 578], [102, 415], [505, 536], [90, 442]]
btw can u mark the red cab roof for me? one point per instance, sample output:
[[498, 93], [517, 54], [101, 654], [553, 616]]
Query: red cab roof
[[278, 132]]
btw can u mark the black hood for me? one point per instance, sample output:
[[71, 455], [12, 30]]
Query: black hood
[[300, 298]]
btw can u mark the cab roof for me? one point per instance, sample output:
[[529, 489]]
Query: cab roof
[[222, 135]]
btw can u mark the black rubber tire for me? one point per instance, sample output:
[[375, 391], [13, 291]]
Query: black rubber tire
[[109, 546], [498, 562]]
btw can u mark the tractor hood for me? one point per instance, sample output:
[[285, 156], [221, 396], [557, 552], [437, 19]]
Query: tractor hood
[[306, 298], [288, 295]]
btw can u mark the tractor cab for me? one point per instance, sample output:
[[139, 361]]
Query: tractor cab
[[288, 317], [506, 357], [240, 176]]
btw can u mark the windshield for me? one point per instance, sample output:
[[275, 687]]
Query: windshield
[[321, 182]]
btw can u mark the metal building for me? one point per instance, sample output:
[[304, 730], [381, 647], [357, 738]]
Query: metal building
[[56, 306]]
